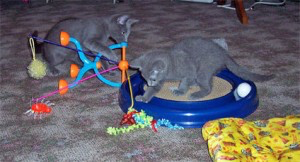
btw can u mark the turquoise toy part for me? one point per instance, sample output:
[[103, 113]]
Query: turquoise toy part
[[119, 45], [88, 64]]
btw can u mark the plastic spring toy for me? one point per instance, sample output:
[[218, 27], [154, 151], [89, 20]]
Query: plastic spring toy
[[136, 120]]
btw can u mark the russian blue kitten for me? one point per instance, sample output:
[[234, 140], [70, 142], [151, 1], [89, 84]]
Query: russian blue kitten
[[192, 61], [93, 35]]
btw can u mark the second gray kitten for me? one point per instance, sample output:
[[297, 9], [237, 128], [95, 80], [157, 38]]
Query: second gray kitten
[[93, 34], [192, 61]]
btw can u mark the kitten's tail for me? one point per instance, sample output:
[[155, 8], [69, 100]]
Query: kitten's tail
[[246, 74], [37, 45]]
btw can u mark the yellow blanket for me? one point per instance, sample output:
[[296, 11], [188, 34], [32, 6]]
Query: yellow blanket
[[235, 140]]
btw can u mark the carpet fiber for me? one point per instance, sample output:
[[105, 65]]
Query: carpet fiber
[[76, 129]]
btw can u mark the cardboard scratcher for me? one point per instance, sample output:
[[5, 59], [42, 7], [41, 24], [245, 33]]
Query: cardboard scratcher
[[220, 88]]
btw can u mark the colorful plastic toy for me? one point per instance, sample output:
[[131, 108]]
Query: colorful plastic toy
[[135, 120], [42, 108], [192, 114], [65, 39]]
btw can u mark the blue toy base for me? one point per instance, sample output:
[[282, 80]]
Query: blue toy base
[[192, 114]]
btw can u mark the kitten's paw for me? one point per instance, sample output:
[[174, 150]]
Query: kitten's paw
[[141, 99], [197, 95], [177, 92], [53, 72], [193, 97]]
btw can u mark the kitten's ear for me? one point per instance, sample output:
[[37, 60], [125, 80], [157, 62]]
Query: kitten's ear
[[221, 42], [122, 20], [130, 21], [136, 63]]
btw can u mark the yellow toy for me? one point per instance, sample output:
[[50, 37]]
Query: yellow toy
[[37, 68]]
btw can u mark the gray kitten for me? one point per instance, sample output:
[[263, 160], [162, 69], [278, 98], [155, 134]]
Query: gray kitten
[[93, 35], [192, 61]]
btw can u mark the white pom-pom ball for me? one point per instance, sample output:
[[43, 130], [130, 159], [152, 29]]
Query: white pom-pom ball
[[243, 89]]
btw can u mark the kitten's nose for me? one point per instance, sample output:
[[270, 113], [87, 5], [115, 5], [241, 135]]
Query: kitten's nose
[[153, 81], [150, 83], [126, 38]]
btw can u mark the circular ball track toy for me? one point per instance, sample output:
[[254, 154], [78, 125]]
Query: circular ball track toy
[[240, 102]]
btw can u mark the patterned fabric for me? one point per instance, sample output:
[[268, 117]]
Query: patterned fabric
[[234, 139]]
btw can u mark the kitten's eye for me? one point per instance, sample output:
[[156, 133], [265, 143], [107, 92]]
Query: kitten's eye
[[123, 33]]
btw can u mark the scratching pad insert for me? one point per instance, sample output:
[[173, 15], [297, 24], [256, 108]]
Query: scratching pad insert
[[220, 88]]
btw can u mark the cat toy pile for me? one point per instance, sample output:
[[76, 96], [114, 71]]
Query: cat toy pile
[[78, 73], [40, 108], [240, 101]]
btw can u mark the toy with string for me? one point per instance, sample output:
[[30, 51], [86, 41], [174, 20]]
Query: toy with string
[[94, 65], [42, 108], [135, 119], [37, 68]]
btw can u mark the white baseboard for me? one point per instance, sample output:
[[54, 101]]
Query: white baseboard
[[203, 1]]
